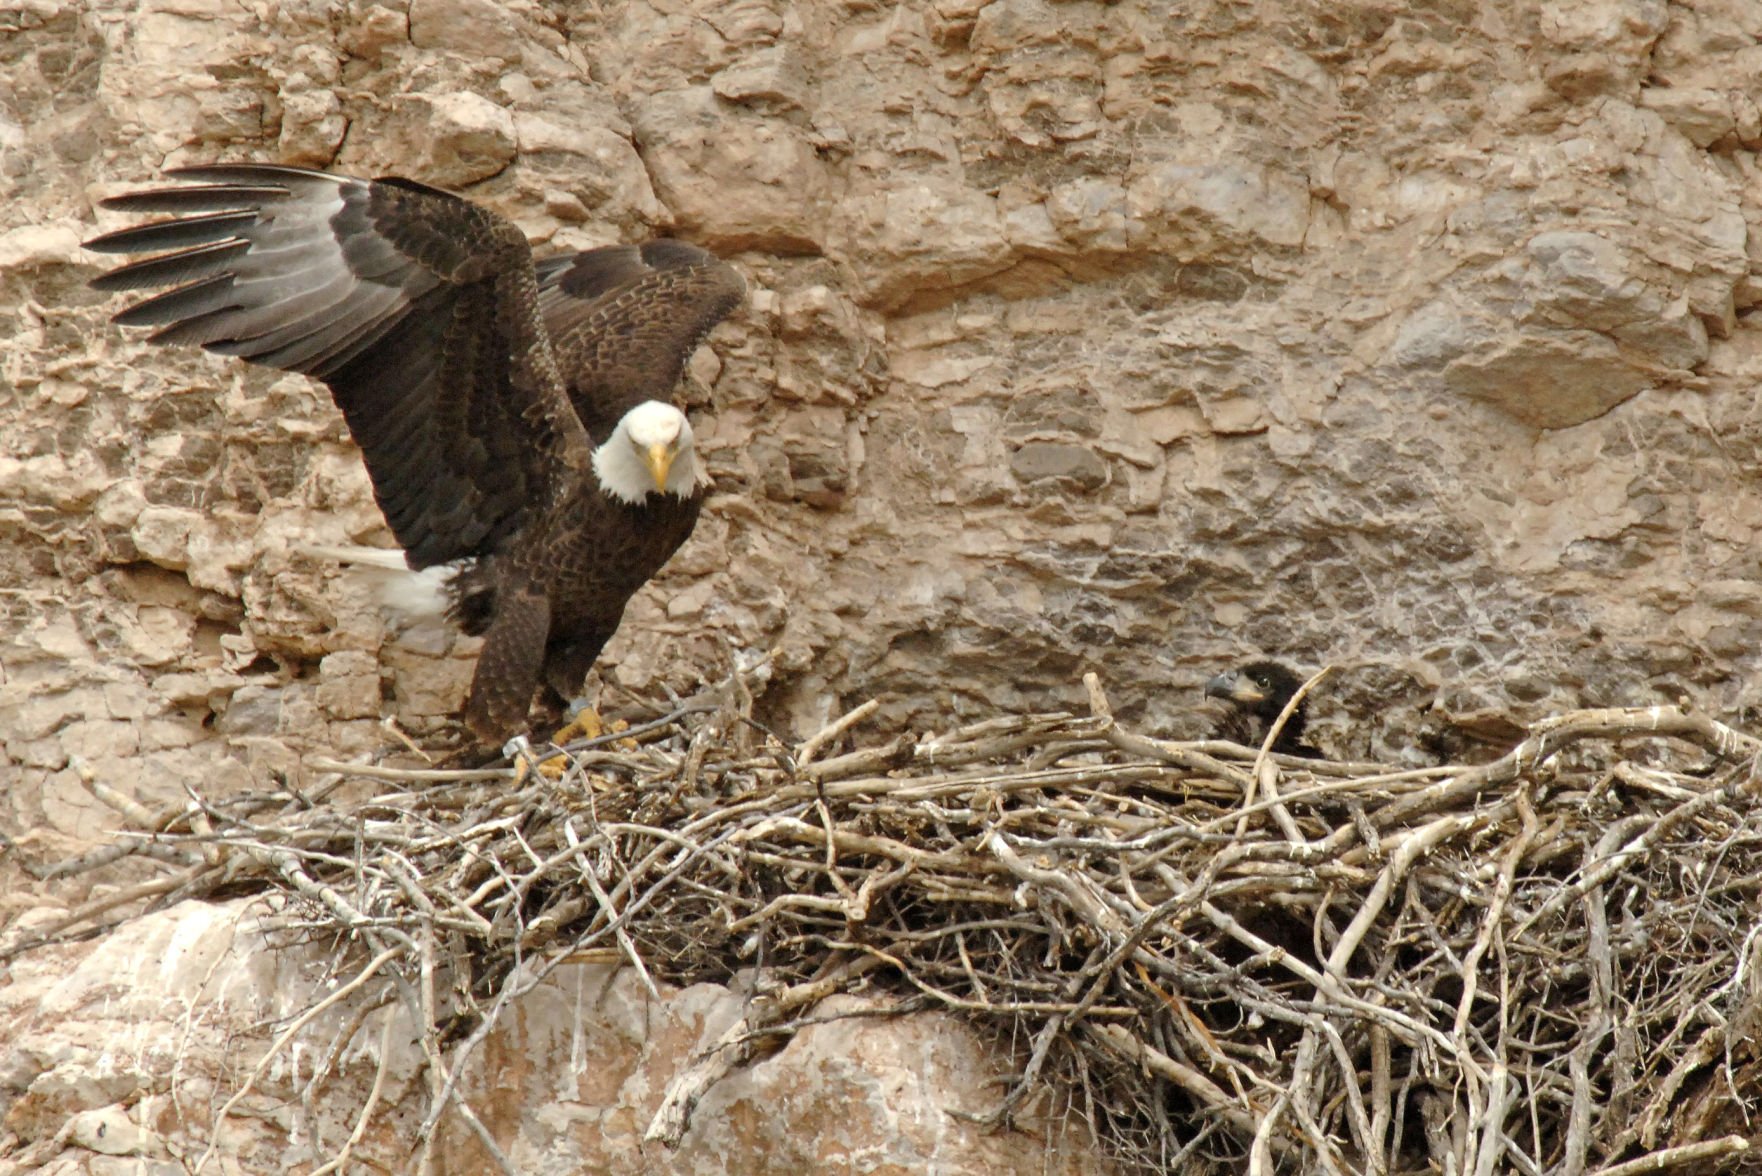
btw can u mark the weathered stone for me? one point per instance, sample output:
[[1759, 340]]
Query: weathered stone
[[770, 78], [473, 28], [922, 237], [109, 1131], [848, 1087], [374, 26], [761, 186], [196, 688], [1703, 116], [1051, 459], [69, 483], [312, 127], [30, 246], [598, 164], [460, 138], [1091, 214], [85, 1034], [348, 684], [1200, 206]]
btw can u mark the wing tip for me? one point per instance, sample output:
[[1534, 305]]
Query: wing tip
[[224, 171], [115, 241]]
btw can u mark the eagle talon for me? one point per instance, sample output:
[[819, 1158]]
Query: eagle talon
[[550, 764], [585, 724], [518, 750]]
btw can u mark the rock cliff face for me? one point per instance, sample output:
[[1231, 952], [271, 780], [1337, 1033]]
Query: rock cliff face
[[1417, 338], [1412, 339]]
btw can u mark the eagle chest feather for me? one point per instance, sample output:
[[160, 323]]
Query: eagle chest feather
[[594, 571]]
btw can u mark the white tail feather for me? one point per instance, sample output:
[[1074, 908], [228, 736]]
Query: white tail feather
[[413, 595], [391, 558]]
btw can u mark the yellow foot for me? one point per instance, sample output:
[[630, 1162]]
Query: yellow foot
[[551, 768], [527, 761], [586, 724]]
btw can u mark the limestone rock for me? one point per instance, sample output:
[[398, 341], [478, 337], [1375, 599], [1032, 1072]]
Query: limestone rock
[[312, 127], [729, 177], [103, 1050], [348, 684], [926, 237], [848, 1088], [459, 138], [474, 28], [1048, 459]]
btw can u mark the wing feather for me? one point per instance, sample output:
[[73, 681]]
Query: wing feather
[[175, 308], [182, 233], [626, 318], [418, 308]]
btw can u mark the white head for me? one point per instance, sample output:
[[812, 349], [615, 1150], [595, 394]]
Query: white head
[[650, 452]]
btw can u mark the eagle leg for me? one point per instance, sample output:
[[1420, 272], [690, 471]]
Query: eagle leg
[[508, 668], [565, 670]]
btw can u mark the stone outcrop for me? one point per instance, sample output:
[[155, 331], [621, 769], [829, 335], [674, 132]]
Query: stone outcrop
[[126, 1053], [1420, 341]]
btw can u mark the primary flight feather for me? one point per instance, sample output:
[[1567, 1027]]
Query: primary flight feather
[[516, 419]]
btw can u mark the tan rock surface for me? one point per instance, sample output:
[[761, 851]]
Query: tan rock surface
[[131, 1048], [572, 1084], [1418, 341]]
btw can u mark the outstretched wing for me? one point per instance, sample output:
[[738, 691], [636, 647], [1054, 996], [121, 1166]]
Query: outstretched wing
[[626, 318], [418, 308]]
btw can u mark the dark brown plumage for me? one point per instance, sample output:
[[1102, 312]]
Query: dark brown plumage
[[516, 420], [1257, 693]]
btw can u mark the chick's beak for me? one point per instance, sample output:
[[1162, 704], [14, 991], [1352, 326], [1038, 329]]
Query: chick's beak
[[1235, 686], [659, 459]]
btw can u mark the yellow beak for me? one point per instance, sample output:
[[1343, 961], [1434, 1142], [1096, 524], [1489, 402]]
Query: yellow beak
[[659, 459]]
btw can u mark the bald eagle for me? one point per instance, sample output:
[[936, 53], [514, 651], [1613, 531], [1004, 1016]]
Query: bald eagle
[[516, 419], [1257, 693]]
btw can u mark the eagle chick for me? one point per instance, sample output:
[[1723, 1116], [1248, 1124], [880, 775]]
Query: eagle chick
[[1257, 693]]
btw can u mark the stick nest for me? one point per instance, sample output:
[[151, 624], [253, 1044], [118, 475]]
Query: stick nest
[[1224, 959]]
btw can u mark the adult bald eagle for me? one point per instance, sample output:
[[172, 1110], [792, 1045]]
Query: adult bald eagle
[[516, 420], [1257, 693]]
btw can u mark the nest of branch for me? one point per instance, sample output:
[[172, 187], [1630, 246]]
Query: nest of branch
[[1228, 959]]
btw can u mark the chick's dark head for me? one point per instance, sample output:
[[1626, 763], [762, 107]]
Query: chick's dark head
[[1261, 688], [1258, 692]]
